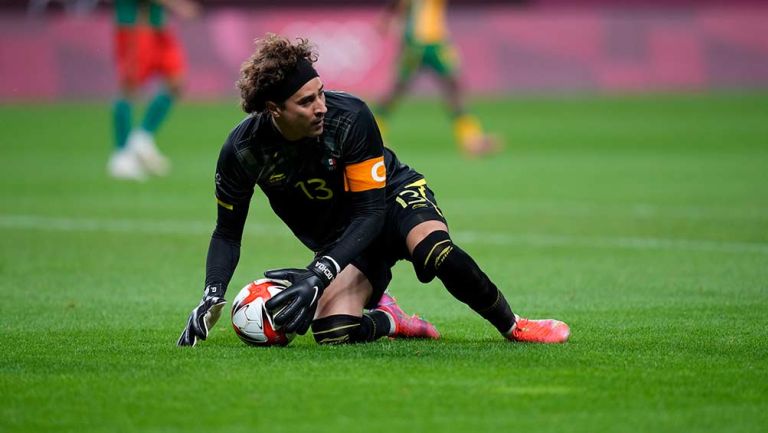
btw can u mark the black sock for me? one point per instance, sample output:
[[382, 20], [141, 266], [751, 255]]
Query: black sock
[[375, 324], [463, 278], [343, 328]]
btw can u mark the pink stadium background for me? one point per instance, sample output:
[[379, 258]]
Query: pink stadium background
[[554, 47]]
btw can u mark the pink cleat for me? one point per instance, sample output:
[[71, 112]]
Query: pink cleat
[[406, 326], [539, 331]]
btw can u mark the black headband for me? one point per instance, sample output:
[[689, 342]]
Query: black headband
[[293, 81]]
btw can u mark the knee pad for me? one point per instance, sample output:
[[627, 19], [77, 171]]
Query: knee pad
[[336, 329], [430, 253]]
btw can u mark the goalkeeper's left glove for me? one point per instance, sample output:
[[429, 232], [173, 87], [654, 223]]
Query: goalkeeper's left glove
[[202, 319], [293, 309]]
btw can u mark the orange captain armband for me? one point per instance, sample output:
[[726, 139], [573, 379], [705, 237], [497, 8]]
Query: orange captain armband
[[366, 175]]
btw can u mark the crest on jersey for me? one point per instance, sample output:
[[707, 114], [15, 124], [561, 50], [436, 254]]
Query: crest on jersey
[[330, 164]]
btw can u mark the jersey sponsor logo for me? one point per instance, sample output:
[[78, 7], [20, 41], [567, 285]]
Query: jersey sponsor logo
[[366, 175]]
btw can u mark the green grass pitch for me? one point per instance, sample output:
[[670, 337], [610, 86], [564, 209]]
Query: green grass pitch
[[642, 221]]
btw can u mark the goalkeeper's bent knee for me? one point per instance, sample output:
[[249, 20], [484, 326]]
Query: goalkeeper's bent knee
[[430, 253]]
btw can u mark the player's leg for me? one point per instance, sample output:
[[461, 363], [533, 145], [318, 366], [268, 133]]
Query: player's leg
[[339, 317], [409, 63], [142, 139], [160, 105], [405, 325], [122, 115], [442, 58], [165, 97], [434, 254], [168, 61], [471, 138], [124, 164], [376, 264]]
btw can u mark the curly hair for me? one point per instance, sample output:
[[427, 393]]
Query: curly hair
[[275, 56]]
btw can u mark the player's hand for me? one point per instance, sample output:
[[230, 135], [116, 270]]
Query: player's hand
[[293, 309], [201, 320], [291, 275]]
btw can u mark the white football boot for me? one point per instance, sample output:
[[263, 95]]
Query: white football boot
[[124, 165], [143, 145]]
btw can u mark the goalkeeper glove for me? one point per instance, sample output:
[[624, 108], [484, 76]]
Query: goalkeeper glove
[[293, 309], [202, 319]]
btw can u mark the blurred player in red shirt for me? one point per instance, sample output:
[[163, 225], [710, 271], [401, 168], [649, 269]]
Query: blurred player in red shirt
[[145, 48]]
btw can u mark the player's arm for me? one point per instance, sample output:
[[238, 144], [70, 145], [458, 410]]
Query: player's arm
[[365, 176], [224, 248], [366, 195], [233, 194], [365, 182]]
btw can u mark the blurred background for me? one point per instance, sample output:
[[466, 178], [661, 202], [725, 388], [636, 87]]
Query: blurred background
[[630, 200], [62, 49]]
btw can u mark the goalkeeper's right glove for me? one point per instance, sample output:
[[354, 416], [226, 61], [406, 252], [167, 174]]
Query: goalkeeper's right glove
[[201, 320], [294, 308]]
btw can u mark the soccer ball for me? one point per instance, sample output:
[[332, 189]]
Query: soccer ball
[[249, 316]]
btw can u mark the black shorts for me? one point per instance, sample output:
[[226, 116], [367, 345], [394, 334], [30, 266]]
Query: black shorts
[[412, 205]]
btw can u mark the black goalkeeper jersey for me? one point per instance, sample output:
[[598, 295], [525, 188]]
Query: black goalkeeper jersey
[[331, 190]]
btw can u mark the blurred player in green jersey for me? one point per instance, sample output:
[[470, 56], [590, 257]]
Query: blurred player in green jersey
[[425, 45], [145, 48]]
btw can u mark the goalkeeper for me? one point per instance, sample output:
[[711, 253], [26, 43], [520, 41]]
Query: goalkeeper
[[318, 157]]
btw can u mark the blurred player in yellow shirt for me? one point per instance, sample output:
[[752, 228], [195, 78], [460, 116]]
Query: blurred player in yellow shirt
[[425, 45]]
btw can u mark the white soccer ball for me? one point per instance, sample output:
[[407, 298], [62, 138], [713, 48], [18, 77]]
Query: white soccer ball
[[250, 319]]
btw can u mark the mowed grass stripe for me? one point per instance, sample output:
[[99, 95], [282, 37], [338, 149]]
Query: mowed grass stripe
[[196, 228]]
